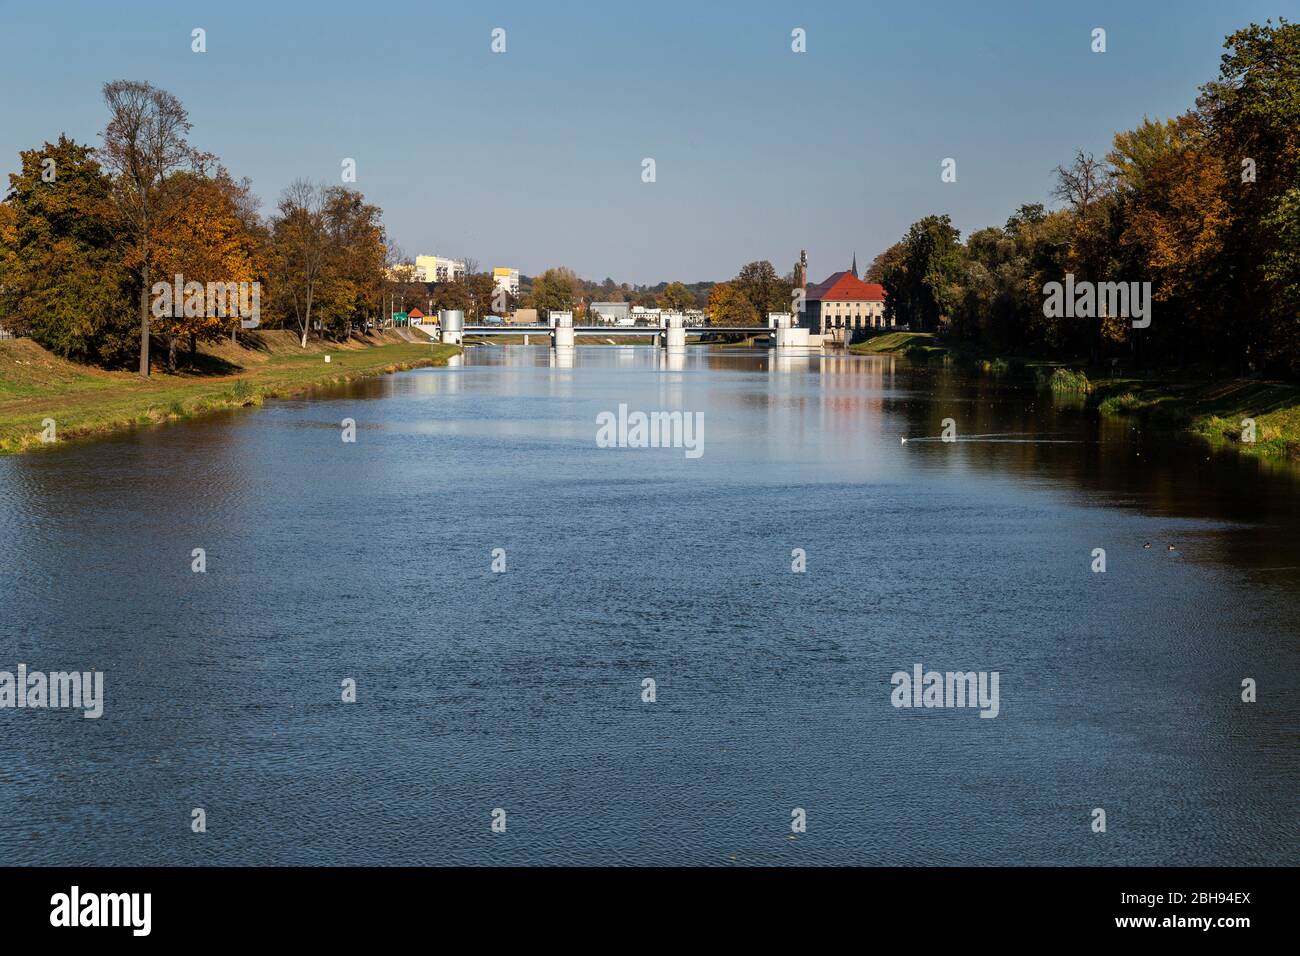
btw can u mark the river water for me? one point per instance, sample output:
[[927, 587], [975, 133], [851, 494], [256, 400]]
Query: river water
[[372, 561]]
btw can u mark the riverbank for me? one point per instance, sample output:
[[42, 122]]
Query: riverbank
[[1220, 412], [36, 386], [1213, 410], [911, 344]]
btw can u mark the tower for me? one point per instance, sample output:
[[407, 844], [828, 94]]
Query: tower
[[855, 264]]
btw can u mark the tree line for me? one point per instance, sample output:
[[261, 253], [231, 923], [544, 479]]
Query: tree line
[[744, 300], [86, 233], [1204, 206]]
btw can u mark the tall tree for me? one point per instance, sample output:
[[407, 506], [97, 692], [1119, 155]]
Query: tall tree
[[352, 272], [144, 143], [765, 290], [1253, 111], [299, 247], [919, 289], [1175, 214]]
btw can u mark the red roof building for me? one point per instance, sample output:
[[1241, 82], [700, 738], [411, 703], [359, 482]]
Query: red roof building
[[843, 301]]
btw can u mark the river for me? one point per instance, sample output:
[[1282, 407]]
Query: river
[[525, 691]]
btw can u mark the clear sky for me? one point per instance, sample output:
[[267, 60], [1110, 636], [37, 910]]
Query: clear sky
[[533, 157]]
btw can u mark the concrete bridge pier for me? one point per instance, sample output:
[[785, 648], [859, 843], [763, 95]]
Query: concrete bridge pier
[[562, 335], [674, 332]]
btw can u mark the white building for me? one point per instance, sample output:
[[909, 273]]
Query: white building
[[615, 312], [438, 269], [507, 279]]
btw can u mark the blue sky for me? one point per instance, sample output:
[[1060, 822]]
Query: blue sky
[[532, 158]]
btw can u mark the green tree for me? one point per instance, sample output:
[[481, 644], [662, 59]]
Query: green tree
[[353, 268], [677, 298], [61, 275], [554, 290], [921, 288], [1281, 267], [479, 288], [453, 296], [763, 288], [1253, 113]]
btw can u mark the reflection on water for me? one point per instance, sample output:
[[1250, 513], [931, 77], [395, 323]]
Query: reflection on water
[[522, 690]]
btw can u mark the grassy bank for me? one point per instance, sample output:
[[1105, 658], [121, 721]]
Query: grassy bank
[[921, 345], [36, 385], [1212, 410], [1215, 411]]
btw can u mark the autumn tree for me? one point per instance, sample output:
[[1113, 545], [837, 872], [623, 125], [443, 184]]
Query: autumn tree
[[1175, 213], [144, 144], [891, 258], [208, 236], [299, 247], [728, 305]]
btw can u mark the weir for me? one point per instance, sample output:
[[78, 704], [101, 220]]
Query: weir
[[670, 334]]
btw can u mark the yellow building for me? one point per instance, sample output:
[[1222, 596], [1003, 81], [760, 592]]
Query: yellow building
[[507, 279]]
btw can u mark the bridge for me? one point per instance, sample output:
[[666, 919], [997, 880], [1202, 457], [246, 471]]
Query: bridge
[[606, 330], [671, 334]]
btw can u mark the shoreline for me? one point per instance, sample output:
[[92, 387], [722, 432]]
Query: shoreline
[[1213, 410], [86, 402]]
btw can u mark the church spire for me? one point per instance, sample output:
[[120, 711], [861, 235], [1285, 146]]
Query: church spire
[[855, 265]]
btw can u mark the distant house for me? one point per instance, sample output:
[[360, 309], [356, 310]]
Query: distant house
[[843, 301], [415, 317]]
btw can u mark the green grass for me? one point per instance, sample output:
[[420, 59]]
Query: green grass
[[36, 385], [1212, 410], [1215, 411], [911, 344]]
